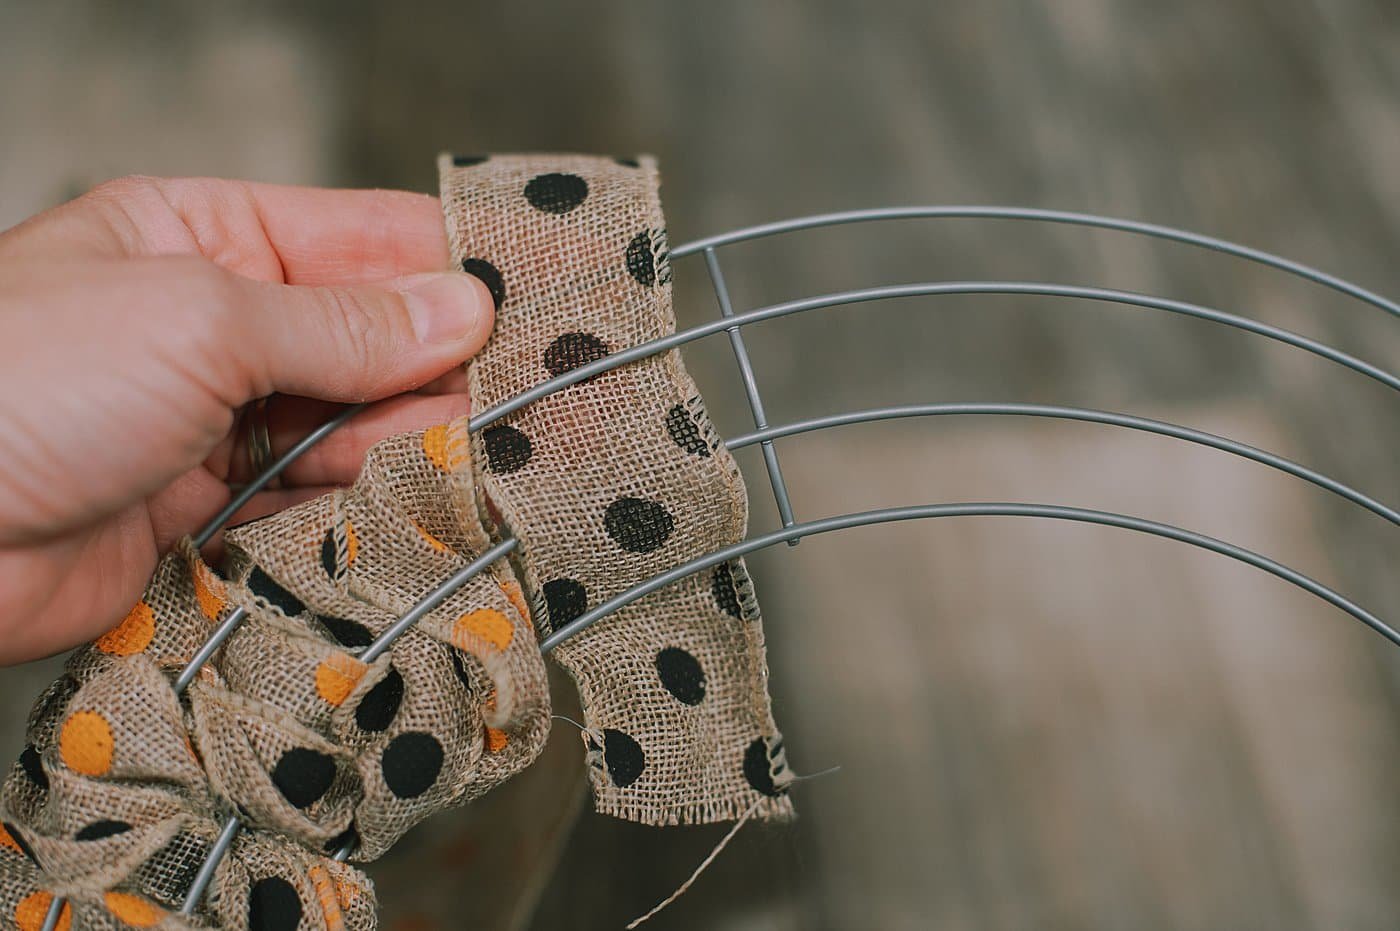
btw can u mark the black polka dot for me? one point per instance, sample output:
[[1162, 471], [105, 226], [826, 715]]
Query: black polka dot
[[624, 758], [459, 666], [346, 838], [685, 432], [722, 585], [328, 553], [680, 672], [466, 161], [556, 192], [273, 905], [411, 764], [100, 829], [303, 776], [267, 588], [19, 840], [507, 449], [566, 600], [380, 704], [573, 350], [638, 525], [489, 276], [349, 634], [756, 768], [34, 768], [640, 263], [628, 162]]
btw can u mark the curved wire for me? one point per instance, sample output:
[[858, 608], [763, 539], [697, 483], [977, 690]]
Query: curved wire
[[246, 493], [1153, 230], [970, 509], [440, 593], [795, 531], [1087, 415], [864, 295]]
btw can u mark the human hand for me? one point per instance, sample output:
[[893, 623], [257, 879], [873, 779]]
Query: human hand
[[138, 320]]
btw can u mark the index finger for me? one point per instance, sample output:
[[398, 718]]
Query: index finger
[[270, 232], [318, 236]]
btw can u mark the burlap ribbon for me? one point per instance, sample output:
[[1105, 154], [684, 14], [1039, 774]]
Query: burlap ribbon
[[124, 784], [611, 481]]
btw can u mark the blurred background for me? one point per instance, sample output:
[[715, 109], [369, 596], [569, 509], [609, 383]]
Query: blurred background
[[1038, 725]]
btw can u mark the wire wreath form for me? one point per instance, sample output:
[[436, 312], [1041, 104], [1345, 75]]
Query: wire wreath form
[[764, 435]]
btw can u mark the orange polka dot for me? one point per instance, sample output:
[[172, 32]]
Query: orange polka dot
[[486, 623], [433, 541], [347, 892], [326, 893], [208, 591], [352, 543], [8, 842], [86, 743], [337, 677], [446, 449], [435, 445], [132, 635], [34, 908], [517, 599], [134, 910], [496, 740]]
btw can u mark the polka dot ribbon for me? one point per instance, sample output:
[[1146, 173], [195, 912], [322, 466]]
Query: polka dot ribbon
[[117, 799], [123, 787], [613, 480]]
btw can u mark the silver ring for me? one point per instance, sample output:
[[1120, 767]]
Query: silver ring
[[259, 441]]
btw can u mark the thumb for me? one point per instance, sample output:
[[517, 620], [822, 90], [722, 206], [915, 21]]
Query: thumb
[[360, 343]]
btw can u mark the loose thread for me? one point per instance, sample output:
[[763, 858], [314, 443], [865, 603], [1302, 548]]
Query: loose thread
[[817, 775], [564, 717], [704, 865], [718, 848]]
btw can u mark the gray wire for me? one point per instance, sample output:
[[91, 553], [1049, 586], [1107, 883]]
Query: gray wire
[[216, 640], [434, 598], [760, 419], [792, 532], [842, 298], [292, 455], [1073, 413], [54, 913], [205, 876], [971, 509], [1045, 216], [372, 652]]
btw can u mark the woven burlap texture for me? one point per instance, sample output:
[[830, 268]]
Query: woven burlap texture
[[124, 786], [609, 482]]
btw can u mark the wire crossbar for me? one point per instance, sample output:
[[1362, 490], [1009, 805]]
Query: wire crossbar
[[764, 435], [760, 419]]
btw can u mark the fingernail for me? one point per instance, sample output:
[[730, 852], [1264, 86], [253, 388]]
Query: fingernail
[[444, 307]]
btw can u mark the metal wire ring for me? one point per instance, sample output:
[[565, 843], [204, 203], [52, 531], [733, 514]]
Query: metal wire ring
[[266, 470]]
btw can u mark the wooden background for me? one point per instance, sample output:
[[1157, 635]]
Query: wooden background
[[1039, 726]]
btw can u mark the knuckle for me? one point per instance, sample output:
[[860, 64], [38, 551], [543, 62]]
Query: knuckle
[[357, 324], [125, 188], [128, 207]]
